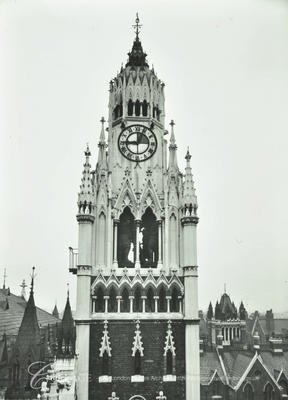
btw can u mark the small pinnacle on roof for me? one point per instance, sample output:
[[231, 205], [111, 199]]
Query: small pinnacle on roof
[[188, 156], [172, 137], [102, 134], [4, 278], [32, 280], [23, 288], [87, 151]]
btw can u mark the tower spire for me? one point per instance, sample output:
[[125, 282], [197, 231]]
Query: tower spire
[[102, 161], [173, 165], [85, 196], [189, 196], [137, 57]]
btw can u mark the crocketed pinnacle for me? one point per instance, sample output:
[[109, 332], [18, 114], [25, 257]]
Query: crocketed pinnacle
[[102, 158], [85, 194], [189, 196], [173, 165]]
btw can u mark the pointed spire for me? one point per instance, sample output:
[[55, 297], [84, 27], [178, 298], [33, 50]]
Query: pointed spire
[[29, 332], [102, 157], [85, 197], [55, 312], [173, 165], [67, 320], [137, 57], [102, 141], [189, 196]]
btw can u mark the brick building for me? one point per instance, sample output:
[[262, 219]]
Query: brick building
[[137, 309]]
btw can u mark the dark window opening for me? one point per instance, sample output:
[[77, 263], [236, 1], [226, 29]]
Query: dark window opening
[[268, 392], [169, 362], [148, 240], [105, 364], [112, 302], [175, 300], [130, 108], [100, 302], [248, 392], [162, 300], [150, 302], [137, 363], [125, 301], [137, 108], [145, 108], [137, 300], [126, 239]]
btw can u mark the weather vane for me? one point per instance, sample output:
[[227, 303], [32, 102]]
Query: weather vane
[[137, 26]]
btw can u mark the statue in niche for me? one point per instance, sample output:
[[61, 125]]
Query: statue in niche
[[126, 239], [148, 240]]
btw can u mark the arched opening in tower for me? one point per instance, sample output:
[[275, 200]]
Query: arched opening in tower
[[145, 108], [148, 240], [126, 239], [137, 363], [169, 363]]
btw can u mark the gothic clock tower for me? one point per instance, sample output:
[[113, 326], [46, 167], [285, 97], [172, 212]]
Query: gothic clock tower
[[137, 302]]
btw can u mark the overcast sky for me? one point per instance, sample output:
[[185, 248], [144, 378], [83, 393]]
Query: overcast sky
[[225, 66]]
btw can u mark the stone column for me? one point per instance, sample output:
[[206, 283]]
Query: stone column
[[156, 303], [115, 256], [190, 270], [106, 298], [131, 298], [180, 303], [94, 298], [83, 303], [168, 298], [160, 256], [143, 303], [118, 303], [137, 245]]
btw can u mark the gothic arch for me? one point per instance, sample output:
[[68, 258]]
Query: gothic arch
[[126, 198], [269, 392], [248, 391]]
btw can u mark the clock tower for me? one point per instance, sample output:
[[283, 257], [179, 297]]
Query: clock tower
[[137, 302]]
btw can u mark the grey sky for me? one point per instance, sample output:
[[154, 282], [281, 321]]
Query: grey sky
[[225, 67]]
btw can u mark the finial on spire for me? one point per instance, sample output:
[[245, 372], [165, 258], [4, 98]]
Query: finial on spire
[[102, 134], [32, 280], [4, 278], [172, 137], [23, 289], [137, 26], [225, 288], [188, 155], [87, 151], [68, 291]]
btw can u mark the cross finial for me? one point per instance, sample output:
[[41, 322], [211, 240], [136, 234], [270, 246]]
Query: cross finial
[[188, 155], [68, 291], [172, 123], [137, 26], [23, 287], [102, 120], [4, 278]]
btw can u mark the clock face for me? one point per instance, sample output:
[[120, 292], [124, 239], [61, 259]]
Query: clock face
[[137, 143]]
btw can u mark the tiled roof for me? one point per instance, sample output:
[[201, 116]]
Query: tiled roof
[[236, 364], [209, 362], [276, 362], [11, 317]]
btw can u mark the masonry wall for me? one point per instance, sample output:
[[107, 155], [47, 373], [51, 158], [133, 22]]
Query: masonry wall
[[122, 363]]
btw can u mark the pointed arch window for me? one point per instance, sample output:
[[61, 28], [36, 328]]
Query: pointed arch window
[[162, 300], [137, 300], [126, 239], [269, 393], [100, 302], [175, 300], [130, 108], [125, 301], [248, 392], [112, 304], [148, 239], [137, 363], [137, 108], [150, 302], [145, 108]]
